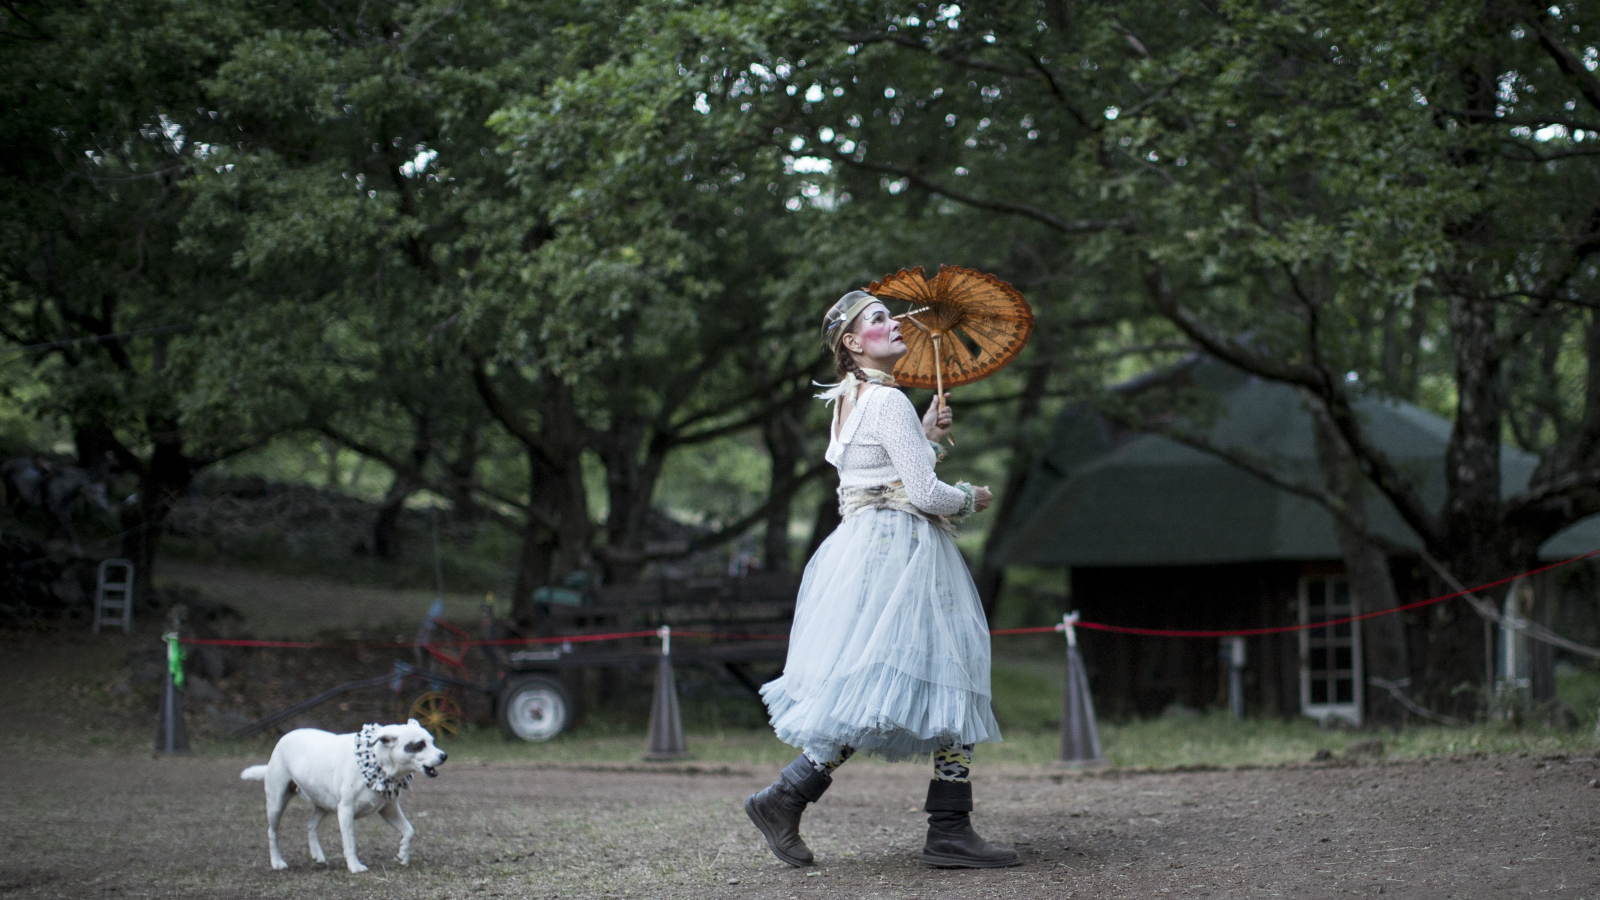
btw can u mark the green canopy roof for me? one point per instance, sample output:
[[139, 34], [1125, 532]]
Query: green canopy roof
[[1097, 498]]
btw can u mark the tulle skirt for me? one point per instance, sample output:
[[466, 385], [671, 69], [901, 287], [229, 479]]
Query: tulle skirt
[[889, 652]]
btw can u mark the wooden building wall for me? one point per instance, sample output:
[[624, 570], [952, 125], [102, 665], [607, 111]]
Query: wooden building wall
[[1141, 676]]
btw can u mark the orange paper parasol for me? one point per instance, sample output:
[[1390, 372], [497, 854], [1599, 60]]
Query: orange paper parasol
[[962, 326]]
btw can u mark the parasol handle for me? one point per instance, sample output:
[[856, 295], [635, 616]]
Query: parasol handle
[[938, 375]]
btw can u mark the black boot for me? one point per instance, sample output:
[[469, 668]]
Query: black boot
[[776, 809], [951, 841]]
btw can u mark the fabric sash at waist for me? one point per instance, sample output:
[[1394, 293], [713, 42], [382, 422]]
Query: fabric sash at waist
[[853, 500]]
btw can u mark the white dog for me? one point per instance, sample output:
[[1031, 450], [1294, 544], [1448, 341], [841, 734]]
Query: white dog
[[354, 775]]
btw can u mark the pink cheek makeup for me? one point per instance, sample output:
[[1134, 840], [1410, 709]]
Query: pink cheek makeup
[[878, 332]]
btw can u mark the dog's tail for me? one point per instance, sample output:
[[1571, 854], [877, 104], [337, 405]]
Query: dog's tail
[[254, 773]]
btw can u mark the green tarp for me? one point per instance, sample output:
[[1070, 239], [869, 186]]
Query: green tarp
[[1092, 500]]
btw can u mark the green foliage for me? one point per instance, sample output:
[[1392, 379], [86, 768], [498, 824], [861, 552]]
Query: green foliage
[[1579, 688], [488, 244]]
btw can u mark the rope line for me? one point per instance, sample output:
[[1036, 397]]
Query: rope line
[[997, 632]]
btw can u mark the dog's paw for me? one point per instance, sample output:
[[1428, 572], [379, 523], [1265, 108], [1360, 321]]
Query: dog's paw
[[357, 868], [320, 860], [279, 865], [403, 858]]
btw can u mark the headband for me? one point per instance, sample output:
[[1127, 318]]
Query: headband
[[841, 315]]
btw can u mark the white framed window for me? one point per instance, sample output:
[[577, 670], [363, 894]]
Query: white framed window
[[1330, 655], [1513, 664]]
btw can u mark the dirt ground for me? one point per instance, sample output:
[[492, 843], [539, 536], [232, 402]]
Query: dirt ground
[[102, 824]]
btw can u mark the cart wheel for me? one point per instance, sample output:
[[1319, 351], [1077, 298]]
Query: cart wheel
[[438, 712], [534, 709]]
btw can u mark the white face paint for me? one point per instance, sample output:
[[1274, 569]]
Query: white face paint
[[875, 338]]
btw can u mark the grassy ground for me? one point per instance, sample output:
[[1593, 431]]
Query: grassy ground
[[279, 606], [81, 692], [71, 695], [1209, 741]]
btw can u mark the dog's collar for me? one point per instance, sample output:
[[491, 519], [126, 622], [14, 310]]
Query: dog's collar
[[372, 774]]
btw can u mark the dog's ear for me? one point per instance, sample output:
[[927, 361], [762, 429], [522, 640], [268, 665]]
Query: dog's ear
[[412, 722], [387, 740]]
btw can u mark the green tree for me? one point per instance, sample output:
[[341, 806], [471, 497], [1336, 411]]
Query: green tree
[[1341, 198], [104, 123]]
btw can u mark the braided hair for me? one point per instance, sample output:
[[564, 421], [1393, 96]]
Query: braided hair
[[844, 363]]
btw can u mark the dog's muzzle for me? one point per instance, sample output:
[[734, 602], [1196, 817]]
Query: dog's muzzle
[[433, 771]]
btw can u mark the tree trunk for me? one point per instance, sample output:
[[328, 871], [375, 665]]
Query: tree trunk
[[786, 445], [534, 563], [1473, 544], [541, 559], [385, 528], [164, 481], [630, 483], [1371, 582]]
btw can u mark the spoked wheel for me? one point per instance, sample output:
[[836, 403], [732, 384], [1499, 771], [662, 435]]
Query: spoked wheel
[[438, 712], [534, 709]]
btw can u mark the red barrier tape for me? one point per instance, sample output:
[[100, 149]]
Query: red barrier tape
[[1041, 629], [569, 639], [731, 635]]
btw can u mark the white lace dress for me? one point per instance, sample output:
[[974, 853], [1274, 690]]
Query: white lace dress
[[889, 652]]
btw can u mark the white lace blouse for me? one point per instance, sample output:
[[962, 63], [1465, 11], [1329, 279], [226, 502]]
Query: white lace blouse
[[881, 442]]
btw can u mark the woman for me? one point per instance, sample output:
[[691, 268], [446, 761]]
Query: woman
[[889, 652]]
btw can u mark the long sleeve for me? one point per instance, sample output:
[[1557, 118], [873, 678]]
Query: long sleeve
[[895, 427]]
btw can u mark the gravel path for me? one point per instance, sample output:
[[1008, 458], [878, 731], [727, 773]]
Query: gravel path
[[112, 826]]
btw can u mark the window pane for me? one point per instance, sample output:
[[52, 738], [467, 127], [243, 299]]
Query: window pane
[[1341, 593], [1342, 658], [1319, 659], [1342, 630], [1319, 690], [1345, 688]]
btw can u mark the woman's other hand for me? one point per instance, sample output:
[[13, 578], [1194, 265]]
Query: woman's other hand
[[936, 421], [982, 498]]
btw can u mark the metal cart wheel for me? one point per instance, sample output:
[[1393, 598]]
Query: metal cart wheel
[[438, 712], [534, 708]]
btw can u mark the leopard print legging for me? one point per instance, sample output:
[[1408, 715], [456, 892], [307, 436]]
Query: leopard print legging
[[952, 762]]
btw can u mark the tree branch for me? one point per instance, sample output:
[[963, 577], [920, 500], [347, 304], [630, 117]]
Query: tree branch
[[765, 389], [39, 33], [507, 417], [1260, 469], [1024, 210], [1565, 60], [1400, 488], [753, 419], [740, 526], [948, 55], [1061, 97], [365, 449]]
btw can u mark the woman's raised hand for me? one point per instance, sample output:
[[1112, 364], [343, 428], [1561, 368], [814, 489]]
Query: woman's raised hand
[[982, 499], [936, 421]]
